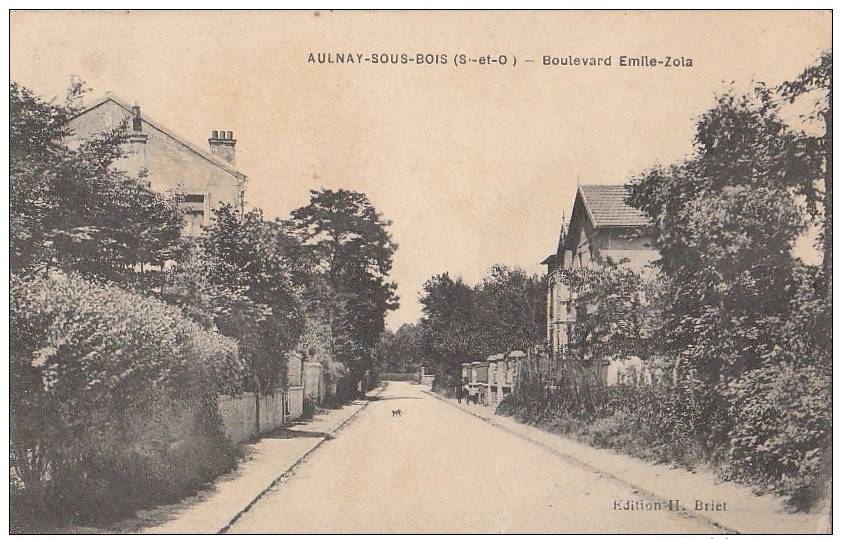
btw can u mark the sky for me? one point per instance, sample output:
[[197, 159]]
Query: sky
[[473, 164]]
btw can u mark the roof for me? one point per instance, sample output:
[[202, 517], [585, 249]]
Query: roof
[[606, 206], [109, 96]]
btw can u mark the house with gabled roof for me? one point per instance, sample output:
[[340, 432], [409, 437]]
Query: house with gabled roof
[[603, 227], [166, 160]]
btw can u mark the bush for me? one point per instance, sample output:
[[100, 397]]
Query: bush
[[770, 428], [113, 400], [661, 423], [782, 428], [612, 431]]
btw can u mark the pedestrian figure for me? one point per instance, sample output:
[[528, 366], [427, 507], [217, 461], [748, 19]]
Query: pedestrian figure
[[459, 394]]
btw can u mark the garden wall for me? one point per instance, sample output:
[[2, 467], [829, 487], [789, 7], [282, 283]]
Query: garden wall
[[315, 381], [276, 410]]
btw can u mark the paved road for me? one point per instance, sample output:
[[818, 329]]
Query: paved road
[[437, 469]]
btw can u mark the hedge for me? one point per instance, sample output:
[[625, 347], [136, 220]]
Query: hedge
[[770, 429], [113, 401]]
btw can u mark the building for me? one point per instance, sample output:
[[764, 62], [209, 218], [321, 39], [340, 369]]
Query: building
[[602, 227], [502, 375], [466, 375], [166, 160], [206, 178], [488, 382], [478, 382]]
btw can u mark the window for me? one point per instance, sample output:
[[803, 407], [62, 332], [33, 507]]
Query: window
[[194, 206], [194, 198]]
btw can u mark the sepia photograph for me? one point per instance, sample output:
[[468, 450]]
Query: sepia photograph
[[420, 271]]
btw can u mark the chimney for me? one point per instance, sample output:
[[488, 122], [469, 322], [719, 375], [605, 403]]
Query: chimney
[[136, 154], [222, 145], [137, 125]]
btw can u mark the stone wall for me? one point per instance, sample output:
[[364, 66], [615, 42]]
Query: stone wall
[[314, 381], [295, 404], [238, 412], [237, 416]]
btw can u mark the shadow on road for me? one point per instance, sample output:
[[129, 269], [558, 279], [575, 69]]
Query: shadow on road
[[289, 433], [378, 398]]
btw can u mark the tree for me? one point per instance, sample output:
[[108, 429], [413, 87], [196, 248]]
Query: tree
[[351, 250], [506, 311], [724, 223], [449, 329], [512, 308], [244, 272], [746, 319], [399, 351], [72, 209], [816, 152]]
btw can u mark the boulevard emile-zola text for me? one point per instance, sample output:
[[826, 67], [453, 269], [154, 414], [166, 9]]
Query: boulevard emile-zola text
[[498, 59]]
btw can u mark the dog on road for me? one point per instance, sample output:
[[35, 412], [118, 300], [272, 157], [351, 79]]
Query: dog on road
[[396, 413]]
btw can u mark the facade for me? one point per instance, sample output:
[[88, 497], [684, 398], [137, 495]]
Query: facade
[[502, 377], [488, 382], [167, 161], [602, 227], [478, 381]]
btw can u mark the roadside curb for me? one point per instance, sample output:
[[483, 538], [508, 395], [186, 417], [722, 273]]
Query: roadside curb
[[291, 468], [639, 491]]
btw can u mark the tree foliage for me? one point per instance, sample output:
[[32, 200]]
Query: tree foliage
[[743, 315], [618, 312], [505, 311], [72, 209], [815, 181], [244, 278], [102, 381], [400, 351], [512, 307], [348, 243]]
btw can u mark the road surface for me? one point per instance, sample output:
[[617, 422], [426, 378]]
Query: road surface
[[438, 469]]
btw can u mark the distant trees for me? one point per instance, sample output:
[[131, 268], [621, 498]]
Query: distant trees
[[505, 311], [400, 351], [513, 308]]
